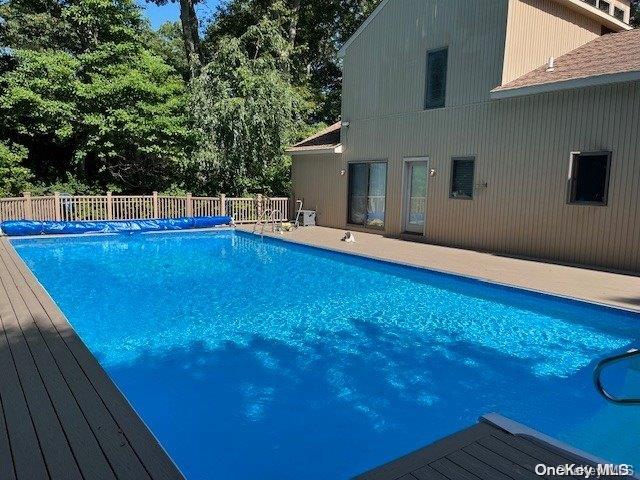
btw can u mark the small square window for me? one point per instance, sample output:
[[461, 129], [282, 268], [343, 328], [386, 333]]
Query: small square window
[[437, 61], [462, 177], [589, 178], [618, 13], [592, 2], [604, 6]]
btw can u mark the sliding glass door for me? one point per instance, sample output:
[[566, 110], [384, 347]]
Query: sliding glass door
[[367, 194]]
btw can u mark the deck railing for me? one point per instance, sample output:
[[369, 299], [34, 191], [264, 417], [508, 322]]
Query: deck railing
[[137, 207]]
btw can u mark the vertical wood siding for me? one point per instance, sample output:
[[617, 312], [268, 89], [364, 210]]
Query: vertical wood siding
[[539, 29], [318, 183], [385, 68], [522, 148]]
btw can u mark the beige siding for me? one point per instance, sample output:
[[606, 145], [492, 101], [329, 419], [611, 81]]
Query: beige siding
[[318, 182], [385, 68], [523, 148], [539, 29]]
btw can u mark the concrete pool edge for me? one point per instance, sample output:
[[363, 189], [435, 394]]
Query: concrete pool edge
[[608, 306]]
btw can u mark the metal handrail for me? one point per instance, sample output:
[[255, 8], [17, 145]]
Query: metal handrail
[[597, 378]]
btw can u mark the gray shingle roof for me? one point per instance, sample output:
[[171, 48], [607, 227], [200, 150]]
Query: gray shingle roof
[[612, 54], [323, 140]]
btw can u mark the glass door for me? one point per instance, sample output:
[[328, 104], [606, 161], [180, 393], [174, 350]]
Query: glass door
[[416, 196], [358, 186], [368, 194]]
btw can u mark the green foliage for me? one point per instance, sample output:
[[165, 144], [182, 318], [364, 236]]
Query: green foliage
[[635, 13], [314, 30], [92, 99], [168, 44], [246, 112], [100, 107], [37, 101], [14, 178]]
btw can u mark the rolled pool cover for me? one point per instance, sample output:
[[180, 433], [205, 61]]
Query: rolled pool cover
[[27, 228]]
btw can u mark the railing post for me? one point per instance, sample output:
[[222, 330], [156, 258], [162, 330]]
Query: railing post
[[223, 205], [189, 205], [259, 208], [28, 206], [56, 206], [155, 205], [109, 206]]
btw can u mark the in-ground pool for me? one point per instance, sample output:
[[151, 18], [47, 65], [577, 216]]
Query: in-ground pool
[[253, 358]]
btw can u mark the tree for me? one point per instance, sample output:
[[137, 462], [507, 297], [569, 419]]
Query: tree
[[168, 44], [190, 33], [99, 105], [14, 178], [315, 31], [635, 13], [247, 112]]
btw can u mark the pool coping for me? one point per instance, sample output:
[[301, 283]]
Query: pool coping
[[447, 273], [270, 235]]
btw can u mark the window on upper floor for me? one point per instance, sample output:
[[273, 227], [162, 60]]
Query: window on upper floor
[[592, 2], [589, 178], [618, 13], [604, 6], [437, 62], [462, 177]]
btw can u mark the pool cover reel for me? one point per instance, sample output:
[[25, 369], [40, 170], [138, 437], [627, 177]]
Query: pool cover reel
[[20, 228]]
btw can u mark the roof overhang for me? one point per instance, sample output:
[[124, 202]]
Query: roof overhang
[[343, 51], [335, 150], [594, 13], [592, 81]]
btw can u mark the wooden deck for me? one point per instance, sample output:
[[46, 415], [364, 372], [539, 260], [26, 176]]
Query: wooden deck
[[483, 452], [61, 416]]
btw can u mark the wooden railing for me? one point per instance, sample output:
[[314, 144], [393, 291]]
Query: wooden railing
[[137, 207]]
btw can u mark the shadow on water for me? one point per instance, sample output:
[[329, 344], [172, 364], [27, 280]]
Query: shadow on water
[[332, 407]]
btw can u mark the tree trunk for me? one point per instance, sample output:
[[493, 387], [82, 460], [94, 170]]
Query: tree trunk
[[295, 18], [191, 35]]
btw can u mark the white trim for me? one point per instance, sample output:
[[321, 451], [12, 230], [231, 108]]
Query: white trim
[[593, 81], [337, 150], [595, 13], [406, 187], [520, 430], [343, 51]]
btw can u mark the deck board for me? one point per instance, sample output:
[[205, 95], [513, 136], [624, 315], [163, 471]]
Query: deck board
[[81, 438], [64, 416], [6, 462], [482, 452], [59, 460]]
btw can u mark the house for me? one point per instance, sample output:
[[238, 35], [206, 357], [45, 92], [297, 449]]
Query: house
[[509, 126]]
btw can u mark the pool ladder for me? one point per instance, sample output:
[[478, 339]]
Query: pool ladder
[[273, 217], [597, 377]]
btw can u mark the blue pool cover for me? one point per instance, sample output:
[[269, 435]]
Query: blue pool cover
[[27, 228]]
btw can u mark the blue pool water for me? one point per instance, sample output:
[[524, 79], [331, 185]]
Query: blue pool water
[[253, 358]]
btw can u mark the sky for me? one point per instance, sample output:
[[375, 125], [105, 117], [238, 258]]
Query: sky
[[171, 11]]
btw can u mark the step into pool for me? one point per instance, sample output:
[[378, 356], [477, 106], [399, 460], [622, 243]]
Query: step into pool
[[256, 358]]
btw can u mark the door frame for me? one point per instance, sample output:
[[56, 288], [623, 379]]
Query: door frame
[[407, 163], [363, 225]]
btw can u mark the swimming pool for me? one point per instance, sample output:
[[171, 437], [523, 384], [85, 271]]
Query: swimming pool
[[253, 358]]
